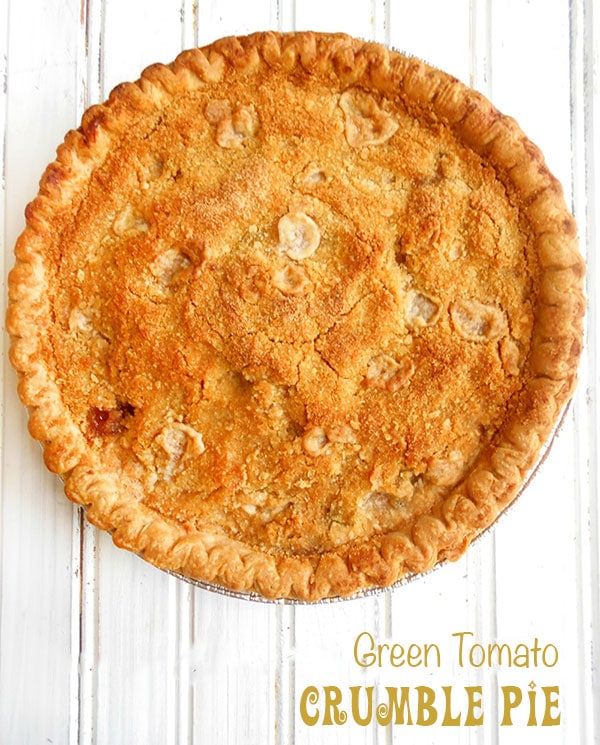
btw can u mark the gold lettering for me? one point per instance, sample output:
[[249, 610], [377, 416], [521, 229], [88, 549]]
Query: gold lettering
[[521, 655], [554, 650], [477, 661], [380, 650], [426, 712], [333, 699], [531, 721], [461, 638], [414, 655], [355, 692], [550, 703], [472, 719], [433, 648], [511, 698], [364, 658], [399, 712], [497, 651], [397, 655], [310, 695], [535, 649], [449, 720]]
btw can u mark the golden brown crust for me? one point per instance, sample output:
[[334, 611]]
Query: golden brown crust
[[279, 417]]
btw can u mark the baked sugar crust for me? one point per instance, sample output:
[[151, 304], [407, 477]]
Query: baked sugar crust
[[295, 314]]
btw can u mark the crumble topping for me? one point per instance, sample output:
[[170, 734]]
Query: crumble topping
[[295, 267]]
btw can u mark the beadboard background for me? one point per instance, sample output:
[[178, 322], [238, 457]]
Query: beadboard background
[[99, 648]]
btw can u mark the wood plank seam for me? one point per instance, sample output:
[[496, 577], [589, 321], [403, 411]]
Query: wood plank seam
[[84, 587], [591, 30], [579, 413], [484, 614]]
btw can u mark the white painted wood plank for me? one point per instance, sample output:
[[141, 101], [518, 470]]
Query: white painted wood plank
[[36, 518], [230, 17], [136, 34], [430, 610], [135, 604], [286, 15], [231, 664], [585, 41], [530, 79], [380, 21], [592, 107], [189, 24], [4, 256], [356, 18], [436, 31], [322, 650]]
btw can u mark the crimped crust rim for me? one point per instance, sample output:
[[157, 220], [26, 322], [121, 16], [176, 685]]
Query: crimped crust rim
[[494, 481]]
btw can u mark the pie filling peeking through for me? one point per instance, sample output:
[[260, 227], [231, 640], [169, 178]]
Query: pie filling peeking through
[[295, 314]]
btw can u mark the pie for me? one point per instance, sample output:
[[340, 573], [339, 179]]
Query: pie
[[295, 314]]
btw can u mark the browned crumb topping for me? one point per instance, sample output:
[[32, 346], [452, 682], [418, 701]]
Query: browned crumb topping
[[315, 306]]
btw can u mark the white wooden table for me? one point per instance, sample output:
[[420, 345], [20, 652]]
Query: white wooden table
[[96, 646]]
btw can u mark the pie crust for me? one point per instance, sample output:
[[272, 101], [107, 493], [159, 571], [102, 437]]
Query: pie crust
[[295, 314]]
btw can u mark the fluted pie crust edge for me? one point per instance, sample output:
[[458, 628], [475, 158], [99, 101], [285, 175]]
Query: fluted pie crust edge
[[370, 84]]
